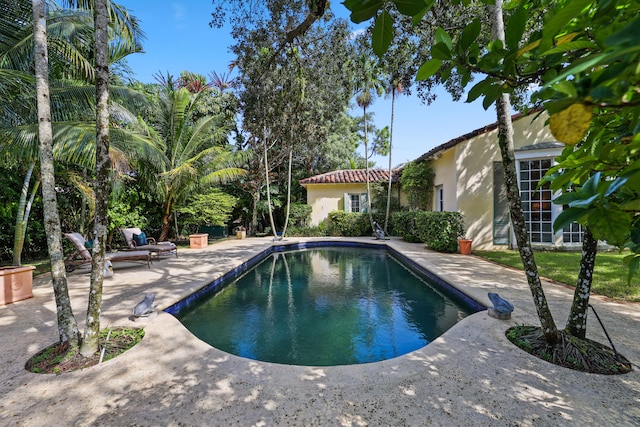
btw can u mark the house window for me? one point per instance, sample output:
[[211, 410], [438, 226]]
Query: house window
[[356, 202], [536, 202], [439, 198]]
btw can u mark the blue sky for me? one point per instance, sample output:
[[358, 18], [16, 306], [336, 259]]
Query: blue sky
[[178, 37]]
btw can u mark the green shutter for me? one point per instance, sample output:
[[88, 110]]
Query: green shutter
[[501, 224]]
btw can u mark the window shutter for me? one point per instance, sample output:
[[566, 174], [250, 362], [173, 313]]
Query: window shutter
[[501, 223], [347, 202]]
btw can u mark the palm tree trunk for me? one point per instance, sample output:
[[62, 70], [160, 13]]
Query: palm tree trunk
[[67, 325], [286, 218], [90, 342], [393, 103], [577, 321], [366, 165], [505, 142], [22, 216], [266, 176]]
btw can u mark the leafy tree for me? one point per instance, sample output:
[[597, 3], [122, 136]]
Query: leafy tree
[[417, 183], [291, 93], [584, 51], [211, 208]]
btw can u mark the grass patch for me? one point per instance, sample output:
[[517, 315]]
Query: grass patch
[[609, 276], [56, 359]]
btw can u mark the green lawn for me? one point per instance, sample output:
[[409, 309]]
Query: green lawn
[[609, 276]]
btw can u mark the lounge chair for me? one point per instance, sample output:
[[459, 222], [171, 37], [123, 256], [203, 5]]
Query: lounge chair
[[82, 256], [160, 248]]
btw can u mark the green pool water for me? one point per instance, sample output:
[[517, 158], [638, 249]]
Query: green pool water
[[323, 307]]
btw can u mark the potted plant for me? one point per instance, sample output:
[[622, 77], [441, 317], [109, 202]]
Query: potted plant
[[15, 283], [241, 232], [465, 245]]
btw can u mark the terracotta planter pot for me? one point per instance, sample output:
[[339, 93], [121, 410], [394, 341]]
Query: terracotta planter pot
[[465, 246], [15, 283], [198, 241], [241, 234]]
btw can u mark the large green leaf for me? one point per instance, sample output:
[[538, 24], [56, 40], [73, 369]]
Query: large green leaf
[[382, 33], [567, 217], [441, 36], [363, 10], [610, 224], [480, 88], [559, 20], [428, 69], [515, 28], [441, 51], [567, 47], [469, 35], [410, 7]]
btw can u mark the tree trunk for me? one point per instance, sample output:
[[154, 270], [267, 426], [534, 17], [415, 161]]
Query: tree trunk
[[90, 342], [386, 216], [166, 218], [67, 325], [266, 176], [22, 216], [366, 165], [577, 321], [286, 218], [505, 141]]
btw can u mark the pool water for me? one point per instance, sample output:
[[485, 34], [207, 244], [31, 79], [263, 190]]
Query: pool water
[[323, 307]]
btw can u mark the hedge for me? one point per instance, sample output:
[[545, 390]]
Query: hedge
[[438, 230]]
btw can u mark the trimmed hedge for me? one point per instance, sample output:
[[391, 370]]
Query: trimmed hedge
[[438, 230], [404, 225], [347, 224]]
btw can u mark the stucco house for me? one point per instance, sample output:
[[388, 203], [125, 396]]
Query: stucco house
[[469, 179], [345, 190]]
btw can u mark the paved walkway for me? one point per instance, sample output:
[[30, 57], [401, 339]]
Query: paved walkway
[[470, 376]]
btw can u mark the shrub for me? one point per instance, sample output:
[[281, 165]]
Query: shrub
[[417, 183], [306, 231], [440, 230], [299, 214], [350, 224], [404, 225]]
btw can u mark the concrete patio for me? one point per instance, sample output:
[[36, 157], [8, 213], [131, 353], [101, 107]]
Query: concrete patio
[[470, 376]]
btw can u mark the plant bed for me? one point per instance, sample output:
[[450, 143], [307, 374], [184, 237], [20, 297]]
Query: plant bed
[[56, 359], [570, 352]]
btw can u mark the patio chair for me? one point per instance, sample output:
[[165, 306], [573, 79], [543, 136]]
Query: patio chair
[[82, 256], [134, 240]]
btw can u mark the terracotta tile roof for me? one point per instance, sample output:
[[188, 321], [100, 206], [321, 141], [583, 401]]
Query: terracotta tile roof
[[352, 176], [455, 141]]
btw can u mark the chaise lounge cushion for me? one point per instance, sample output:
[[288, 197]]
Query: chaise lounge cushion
[[160, 248], [140, 239]]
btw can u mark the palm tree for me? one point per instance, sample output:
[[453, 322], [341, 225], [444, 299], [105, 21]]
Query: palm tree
[[395, 87], [195, 153], [67, 325], [74, 141], [369, 85]]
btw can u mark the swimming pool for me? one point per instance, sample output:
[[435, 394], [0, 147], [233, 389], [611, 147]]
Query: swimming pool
[[322, 307]]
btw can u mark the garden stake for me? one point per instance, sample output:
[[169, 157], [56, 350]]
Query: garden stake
[[615, 352]]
